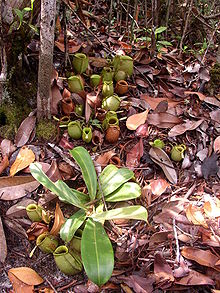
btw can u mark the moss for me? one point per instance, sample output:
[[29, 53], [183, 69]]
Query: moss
[[46, 130], [11, 116]]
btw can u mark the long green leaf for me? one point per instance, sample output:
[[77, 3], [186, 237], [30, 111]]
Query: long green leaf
[[59, 188], [115, 180], [83, 159], [97, 253], [71, 225], [127, 191], [132, 212]]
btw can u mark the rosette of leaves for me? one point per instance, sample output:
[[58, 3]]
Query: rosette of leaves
[[113, 185]]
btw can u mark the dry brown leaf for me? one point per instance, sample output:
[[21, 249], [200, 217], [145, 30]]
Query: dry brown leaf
[[19, 209], [25, 130], [56, 97], [153, 102], [195, 215], [72, 46], [12, 188], [163, 120], [4, 164], [212, 101], [103, 159], [161, 269], [211, 209], [53, 172], [182, 128], [3, 244], [18, 285], [200, 95], [136, 120], [26, 275], [7, 147], [159, 157], [134, 155], [24, 158], [203, 257], [216, 144], [195, 278], [159, 186], [58, 222]]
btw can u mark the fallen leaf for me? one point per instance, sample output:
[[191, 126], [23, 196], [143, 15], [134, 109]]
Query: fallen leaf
[[12, 188], [56, 97], [53, 172], [19, 209], [159, 186], [103, 159], [3, 244], [25, 131], [203, 257], [153, 102], [162, 270], [142, 130], [212, 101], [134, 155], [36, 229], [209, 166], [27, 275], [211, 209], [19, 286], [186, 126], [195, 278], [139, 284], [58, 222], [159, 237], [72, 46], [216, 144], [98, 62], [4, 164], [161, 107], [163, 120], [23, 160], [195, 215], [136, 120], [200, 95], [159, 157], [7, 147]]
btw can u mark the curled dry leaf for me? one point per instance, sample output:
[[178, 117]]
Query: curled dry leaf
[[195, 215], [153, 102], [55, 98], [135, 154], [159, 157], [161, 269], [216, 144], [159, 186], [7, 147], [163, 120], [195, 278], [36, 229], [211, 209], [58, 222], [26, 275], [103, 159], [3, 244], [200, 95], [182, 128], [24, 158], [4, 164], [25, 131], [136, 120], [203, 257], [12, 188]]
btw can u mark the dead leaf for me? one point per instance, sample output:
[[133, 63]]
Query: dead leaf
[[159, 157], [159, 237], [25, 131], [23, 279], [19, 209], [209, 166], [7, 147], [142, 130], [98, 62], [73, 47], [53, 172], [200, 95], [211, 209], [195, 278], [195, 215], [139, 284], [3, 244], [159, 186], [212, 101], [103, 159], [163, 120], [162, 270], [203, 257], [56, 97], [24, 158], [12, 188], [153, 102], [186, 126], [161, 107], [4, 164], [136, 120], [216, 144], [58, 222], [36, 229], [134, 155]]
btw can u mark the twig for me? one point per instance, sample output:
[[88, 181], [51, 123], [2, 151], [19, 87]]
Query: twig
[[177, 242], [128, 14], [190, 191], [110, 16], [51, 286], [211, 16], [209, 43], [68, 285], [186, 25]]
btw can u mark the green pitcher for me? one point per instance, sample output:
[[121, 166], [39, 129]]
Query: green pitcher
[[80, 62]]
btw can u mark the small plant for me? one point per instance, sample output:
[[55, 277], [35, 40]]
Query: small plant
[[113, 185]]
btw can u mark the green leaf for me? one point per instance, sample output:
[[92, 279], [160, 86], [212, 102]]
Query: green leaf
[[132, 212], [19, 13], [127, 191], [83, 159], [71, 225], [114, 179], [61, 189], [164, 43], [108, 172], [26, 9], [97, 253], [160, 29]]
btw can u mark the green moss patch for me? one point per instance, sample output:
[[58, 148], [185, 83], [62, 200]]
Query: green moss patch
[[46, 130]]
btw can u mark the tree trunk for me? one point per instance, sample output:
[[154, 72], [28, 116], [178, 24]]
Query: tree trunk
[[48, 12]]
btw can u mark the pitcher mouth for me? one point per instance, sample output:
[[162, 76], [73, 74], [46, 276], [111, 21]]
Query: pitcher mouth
[[61, 250]]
